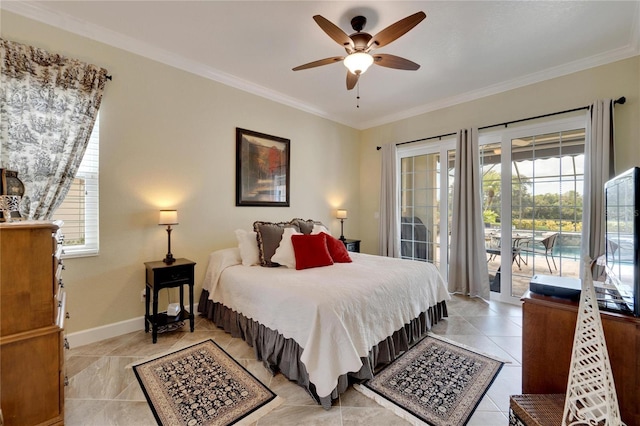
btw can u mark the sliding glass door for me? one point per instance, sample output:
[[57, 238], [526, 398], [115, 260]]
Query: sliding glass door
[[547, 176], [426, 179], [532, 180], [538, 226]]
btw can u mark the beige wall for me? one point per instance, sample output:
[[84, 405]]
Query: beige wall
[[559, 94], [167, 139]]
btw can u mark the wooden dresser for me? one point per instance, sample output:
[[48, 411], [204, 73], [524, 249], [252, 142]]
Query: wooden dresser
[[549, 325], [32, 313]]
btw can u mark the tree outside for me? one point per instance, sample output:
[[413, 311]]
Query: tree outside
[[542, 212]]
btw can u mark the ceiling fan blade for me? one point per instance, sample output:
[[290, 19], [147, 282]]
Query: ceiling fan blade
[[318, 63], [352, 79], [392, 61], [394, 31], [334, 32]]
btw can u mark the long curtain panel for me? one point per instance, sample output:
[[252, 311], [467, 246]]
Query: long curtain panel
[[48, 106], [389, 231], [598, 168], [468, 272]]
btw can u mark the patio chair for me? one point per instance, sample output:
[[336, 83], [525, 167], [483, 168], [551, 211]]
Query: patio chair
[[548, 244]]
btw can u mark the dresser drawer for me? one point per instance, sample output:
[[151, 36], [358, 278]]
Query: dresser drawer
[[31, 380], [59, 290], [59, 251], [59, 269], [61, 306], [182, 273]]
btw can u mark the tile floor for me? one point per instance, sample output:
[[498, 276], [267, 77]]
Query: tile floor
[[103, 389]]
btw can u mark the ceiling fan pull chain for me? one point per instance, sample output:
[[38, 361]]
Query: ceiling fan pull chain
[[358, 95]]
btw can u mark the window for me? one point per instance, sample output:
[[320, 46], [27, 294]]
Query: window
[[79, 210]]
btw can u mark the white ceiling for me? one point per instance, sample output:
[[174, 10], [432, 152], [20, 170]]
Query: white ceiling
[[466, 49]]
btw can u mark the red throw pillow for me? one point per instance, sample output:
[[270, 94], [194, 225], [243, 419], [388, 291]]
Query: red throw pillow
[[311, 251], [337, 250]]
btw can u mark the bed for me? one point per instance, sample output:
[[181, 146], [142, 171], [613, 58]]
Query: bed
[[324, 327]]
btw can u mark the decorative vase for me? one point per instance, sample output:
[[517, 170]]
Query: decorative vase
[[11, 184], [11, 192]]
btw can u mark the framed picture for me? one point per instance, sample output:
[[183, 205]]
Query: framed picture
[[262, 169]]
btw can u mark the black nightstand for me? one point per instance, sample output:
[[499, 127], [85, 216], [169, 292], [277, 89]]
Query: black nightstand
[[352, 245], [159, 275]]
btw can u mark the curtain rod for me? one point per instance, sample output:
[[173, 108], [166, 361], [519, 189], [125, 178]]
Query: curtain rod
[[621, 100]]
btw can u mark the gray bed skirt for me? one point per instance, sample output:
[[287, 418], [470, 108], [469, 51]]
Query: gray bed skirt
[[280, 354]]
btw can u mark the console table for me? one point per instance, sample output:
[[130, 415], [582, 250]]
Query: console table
[[159, 275], [547, 342]]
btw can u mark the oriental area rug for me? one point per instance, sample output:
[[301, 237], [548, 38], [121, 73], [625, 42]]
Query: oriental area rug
[[436, 382], [203, 385]]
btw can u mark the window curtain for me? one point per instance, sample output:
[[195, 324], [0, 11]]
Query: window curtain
[[48, 105], [389, 219], [598, 168], [468, 272]]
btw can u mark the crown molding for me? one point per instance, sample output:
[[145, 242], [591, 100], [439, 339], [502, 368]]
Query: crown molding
[[114, 39], [547, 74]]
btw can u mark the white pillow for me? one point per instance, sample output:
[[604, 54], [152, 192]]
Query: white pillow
[[318, 229], [284, 254], [248, 245]]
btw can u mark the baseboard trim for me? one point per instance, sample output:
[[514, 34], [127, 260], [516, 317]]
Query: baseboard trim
[[92, 335]]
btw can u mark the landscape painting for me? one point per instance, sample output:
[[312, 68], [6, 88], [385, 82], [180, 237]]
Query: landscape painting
[[262, 169]]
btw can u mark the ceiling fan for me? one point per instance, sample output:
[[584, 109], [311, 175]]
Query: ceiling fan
[[360, 44]]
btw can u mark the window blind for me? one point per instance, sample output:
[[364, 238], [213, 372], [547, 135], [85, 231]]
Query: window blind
[[79, 210]]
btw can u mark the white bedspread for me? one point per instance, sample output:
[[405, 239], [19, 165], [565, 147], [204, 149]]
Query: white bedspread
[[335, 313]]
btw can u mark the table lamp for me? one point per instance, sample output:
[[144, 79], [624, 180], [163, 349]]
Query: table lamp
[[168, 217], [342, 215]]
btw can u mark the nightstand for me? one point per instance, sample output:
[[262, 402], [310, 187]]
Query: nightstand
[[159, 275], [352, 245]]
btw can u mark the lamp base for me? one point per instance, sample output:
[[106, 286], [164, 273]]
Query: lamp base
[[169, 258]]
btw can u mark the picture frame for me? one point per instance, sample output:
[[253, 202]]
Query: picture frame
[[262, 169]]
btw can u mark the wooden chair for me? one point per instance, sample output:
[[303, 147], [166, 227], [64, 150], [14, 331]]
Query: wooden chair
[[548, 243]]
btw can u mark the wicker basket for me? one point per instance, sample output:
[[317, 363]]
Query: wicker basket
[[536, 409]]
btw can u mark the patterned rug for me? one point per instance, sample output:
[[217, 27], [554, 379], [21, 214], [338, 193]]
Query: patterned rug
[[203, 385], [435, 382]]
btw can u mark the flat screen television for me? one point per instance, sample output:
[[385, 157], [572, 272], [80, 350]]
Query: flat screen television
[[621, 289]]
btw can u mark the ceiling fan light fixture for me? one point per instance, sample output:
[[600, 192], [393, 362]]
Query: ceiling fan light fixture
[[358, 62]]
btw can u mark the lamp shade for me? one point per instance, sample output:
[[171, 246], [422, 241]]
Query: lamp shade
[[358, 62], [168, 217], [341, 214]]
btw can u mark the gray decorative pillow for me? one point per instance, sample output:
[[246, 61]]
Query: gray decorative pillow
[[306, 226], [269, 235]]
